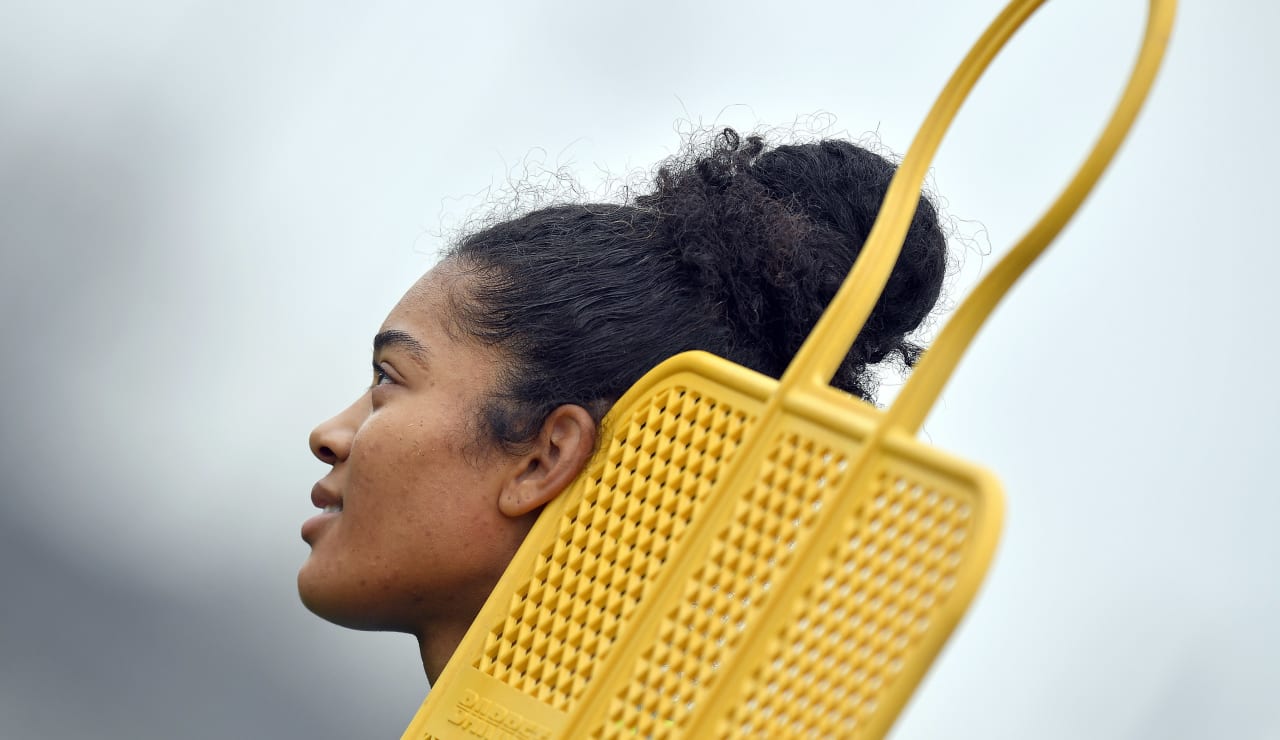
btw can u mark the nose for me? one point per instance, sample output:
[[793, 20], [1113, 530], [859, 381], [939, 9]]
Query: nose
[[331, 440]]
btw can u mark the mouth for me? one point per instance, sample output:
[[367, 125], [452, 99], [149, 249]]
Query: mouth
[[329, 503]]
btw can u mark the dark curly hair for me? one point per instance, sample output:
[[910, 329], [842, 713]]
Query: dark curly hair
[[736, 250]]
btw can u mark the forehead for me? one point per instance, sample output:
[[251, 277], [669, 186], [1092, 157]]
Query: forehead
[[425, 322], [427, 308]]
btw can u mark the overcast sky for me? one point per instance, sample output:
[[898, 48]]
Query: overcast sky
[[207, 208]]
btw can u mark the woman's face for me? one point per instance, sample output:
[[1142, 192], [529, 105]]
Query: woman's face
[[412, 538]]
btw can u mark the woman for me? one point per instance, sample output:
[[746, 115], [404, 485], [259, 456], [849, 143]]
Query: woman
[[491, 375]]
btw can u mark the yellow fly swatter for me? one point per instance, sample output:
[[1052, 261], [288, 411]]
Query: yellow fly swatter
[[746, 557]]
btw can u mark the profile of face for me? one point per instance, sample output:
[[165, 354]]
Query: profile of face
[[422, 513], [438, 471]]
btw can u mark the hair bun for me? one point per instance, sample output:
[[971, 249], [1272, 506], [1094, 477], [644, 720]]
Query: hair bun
[[767, 235]]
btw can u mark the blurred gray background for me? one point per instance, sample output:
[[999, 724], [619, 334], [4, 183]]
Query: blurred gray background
[[207, 208]]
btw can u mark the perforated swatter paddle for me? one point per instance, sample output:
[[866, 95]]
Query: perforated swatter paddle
[[746, 557]]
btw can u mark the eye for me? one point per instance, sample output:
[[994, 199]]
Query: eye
[[381, 376]]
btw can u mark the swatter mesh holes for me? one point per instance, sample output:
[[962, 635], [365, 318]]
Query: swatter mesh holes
[[861, 617], [639, 496], [720, 600]]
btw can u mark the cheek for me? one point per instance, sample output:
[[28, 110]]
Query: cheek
[[406, 471], [391, 447]]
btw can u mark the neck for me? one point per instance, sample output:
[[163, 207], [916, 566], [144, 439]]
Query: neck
[[436, 647]]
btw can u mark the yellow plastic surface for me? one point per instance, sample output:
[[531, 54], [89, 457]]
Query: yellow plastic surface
[[747, 557]]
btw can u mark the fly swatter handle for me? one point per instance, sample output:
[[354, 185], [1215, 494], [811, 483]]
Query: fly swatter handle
[[822, 352], [829, 342], [935, 367]]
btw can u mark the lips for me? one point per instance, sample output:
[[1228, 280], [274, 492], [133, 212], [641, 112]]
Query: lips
[[330, 504], [323, 498]]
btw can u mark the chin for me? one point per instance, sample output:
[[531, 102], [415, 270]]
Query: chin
[[326, 599]]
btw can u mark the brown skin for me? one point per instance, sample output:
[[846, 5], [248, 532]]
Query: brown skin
[[432, 509]]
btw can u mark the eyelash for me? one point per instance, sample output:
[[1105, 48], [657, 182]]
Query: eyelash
[[381, 376]]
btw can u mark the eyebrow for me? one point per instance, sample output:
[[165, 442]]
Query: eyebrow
[[403, 340]]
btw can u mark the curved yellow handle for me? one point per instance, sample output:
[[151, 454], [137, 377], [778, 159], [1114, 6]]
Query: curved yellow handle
[[829, 342], [934, 369]]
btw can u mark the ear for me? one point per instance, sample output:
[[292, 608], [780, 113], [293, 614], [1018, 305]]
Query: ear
[[555, 459]]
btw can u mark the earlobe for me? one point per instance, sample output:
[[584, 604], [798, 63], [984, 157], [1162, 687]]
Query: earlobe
[[558, 455]]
